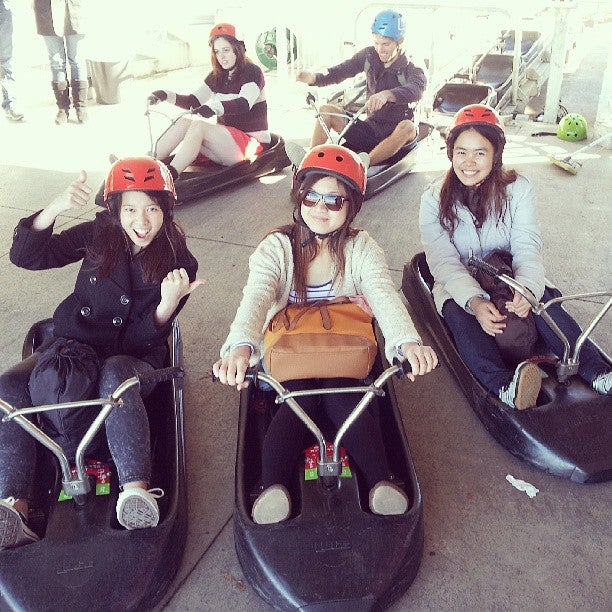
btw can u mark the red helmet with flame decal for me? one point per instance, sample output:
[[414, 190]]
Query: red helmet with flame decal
[[139, 174]]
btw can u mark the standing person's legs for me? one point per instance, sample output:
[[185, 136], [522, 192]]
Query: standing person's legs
[[57, 58], [76, 59], [59, 77], [7, 80], [78, 76], [6, 54], [592, 363]]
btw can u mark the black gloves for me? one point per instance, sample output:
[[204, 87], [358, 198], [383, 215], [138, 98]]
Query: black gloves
[[159, 95], [204, 110]]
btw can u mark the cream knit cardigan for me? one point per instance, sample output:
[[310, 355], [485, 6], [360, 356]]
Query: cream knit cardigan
[[271, 279]]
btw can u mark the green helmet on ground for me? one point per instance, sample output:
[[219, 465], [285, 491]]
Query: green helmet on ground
[[572, 127]]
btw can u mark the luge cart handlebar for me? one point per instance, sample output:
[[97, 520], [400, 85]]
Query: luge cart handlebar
[[77, 485], [568, 365], [330, 467], [310, 101]]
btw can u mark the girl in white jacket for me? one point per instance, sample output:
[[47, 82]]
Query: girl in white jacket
[[480, 206]]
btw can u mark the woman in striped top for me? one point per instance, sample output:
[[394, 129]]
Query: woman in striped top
[[234, 93], [320, 256]]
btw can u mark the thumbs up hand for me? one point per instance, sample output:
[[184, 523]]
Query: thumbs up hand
[[75, 196]]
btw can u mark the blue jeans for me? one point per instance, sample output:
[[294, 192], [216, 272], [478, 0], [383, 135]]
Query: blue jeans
[[127, 426], [7, 81], [481, 355], [62, 49]]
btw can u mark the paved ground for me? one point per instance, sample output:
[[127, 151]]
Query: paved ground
[[487, 545]]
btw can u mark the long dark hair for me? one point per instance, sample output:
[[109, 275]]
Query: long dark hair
[[303, 245], [489, 199], [219, 74], [156, 260]]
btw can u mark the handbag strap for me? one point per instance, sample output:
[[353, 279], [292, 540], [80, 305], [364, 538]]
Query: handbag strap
[[321, 305]]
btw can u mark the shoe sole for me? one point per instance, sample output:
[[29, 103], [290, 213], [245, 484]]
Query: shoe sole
[[272, 507], [136, 513], [10, 525], [388, 501], [528, 387], [13, 532]]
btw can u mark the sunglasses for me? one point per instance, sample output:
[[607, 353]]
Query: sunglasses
[[333, 203]]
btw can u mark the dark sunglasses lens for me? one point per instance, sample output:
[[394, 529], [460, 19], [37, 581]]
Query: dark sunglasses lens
[[311, 199], [333, 203]]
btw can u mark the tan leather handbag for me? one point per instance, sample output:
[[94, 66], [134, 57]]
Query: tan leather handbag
[[323, 339]]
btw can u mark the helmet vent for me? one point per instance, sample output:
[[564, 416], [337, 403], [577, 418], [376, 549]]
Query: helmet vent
[[150, 175], [128, 176]]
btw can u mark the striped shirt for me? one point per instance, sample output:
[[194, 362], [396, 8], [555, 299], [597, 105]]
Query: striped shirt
[[315, 292]]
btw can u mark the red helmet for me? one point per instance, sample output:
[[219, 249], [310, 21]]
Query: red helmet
[[339, 162], [475, 114], [225, 29], [139, 174]]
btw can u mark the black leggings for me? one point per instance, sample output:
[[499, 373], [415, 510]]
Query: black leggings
[[287, 436]]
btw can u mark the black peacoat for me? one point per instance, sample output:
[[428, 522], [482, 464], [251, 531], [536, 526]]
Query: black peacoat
[[115, 315]]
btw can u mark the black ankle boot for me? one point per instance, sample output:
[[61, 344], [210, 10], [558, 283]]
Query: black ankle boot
[[62, 98], [79, 99]]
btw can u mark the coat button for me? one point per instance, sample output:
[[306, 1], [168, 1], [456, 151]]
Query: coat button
[[117, 321], [85, 311], [124, 299], [93, 280]]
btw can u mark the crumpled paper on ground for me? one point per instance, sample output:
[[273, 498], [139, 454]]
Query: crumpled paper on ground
[[521, 485]]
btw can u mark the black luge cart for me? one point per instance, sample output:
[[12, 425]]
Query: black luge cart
[[332, 553], [568, 433], [85, 560]]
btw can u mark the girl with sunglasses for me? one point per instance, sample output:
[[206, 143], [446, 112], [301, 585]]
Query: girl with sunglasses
[[321, 256]]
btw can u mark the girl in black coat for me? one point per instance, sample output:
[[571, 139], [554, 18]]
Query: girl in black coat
[[136, 275]]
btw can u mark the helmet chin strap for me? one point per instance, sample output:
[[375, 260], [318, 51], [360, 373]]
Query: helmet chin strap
[[393, 56], [297, 217]]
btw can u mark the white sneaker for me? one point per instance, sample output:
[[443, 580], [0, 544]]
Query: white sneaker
[[137, 508], [603, 383], [14, 529], [522, 391], [386, 498], [272, 506]]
